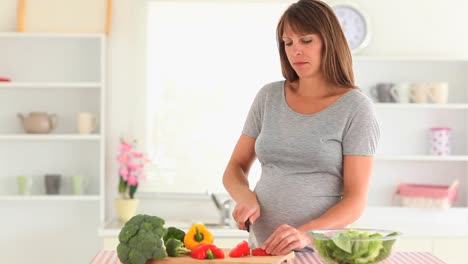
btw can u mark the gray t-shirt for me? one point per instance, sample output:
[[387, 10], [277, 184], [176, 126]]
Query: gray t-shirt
[[302, 154]]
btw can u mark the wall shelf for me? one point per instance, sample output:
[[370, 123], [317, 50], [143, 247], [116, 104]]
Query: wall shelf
[[55, 85], [403, 150], [398, 58], [49, 137], [50, 198], [420, 106], [421, 158], [50, 35], [63, 74]]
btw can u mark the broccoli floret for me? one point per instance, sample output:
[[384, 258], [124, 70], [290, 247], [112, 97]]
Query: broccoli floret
[[141, 240], [159, 253], [128, 232], [173, 232], [122, 252], [175, 248]]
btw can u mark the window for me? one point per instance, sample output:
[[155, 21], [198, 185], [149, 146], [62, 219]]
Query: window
[[206, 62]]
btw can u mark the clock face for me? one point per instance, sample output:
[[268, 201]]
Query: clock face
[[354, 25]]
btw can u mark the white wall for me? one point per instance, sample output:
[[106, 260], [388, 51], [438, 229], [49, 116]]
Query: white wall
[[51, 233], [432, 27], [126, 83], [400, 28]]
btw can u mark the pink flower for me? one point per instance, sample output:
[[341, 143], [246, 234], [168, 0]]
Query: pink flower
[[131, 164], [137, 154], [123, 159], [124, 172], [132, 180], [124, 146], [132, 167]]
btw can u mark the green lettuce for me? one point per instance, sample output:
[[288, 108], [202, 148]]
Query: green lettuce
[[344, 248]]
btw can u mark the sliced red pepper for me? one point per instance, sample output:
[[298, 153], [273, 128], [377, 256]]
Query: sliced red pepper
[[199, 252], [259, 252], [241, 249], [204, 251], [209, 254], [218, 253]]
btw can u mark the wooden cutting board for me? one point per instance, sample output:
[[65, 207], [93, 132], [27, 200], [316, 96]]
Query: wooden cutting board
[[226, 259]]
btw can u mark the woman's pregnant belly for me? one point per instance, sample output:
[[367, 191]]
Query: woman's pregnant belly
[[293, 200]]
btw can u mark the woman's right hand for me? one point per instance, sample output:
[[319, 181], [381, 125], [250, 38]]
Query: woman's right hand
[[246, 208]]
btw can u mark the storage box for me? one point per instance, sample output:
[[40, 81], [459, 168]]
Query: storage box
[[427, 195]]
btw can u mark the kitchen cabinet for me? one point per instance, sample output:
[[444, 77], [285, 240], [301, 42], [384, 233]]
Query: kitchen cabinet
[[61, 74], [414, 244], [403, 152], [451, 250]]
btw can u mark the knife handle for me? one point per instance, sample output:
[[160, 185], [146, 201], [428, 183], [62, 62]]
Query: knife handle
[[247, 225]]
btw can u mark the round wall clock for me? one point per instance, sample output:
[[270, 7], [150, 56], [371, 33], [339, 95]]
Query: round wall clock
[[355, 24]]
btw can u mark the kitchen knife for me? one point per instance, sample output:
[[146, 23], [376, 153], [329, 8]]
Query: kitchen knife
[[252, 238]]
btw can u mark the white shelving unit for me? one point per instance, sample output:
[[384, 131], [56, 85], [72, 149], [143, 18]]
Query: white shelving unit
[[421, 158], [49, 198], [49, 137], [420, 106], [54, 73], [62, 85], [403, 149]]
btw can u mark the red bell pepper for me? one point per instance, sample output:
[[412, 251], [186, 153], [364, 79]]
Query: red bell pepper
[[259, 252], [207, 251], [241, 249]]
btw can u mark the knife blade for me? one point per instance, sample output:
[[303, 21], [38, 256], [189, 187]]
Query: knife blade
[[252, 238]]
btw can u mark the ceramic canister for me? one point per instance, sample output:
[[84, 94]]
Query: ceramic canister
[[439, 141]]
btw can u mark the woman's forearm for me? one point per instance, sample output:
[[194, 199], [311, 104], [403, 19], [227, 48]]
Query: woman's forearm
[[235, 181], [345, 212]]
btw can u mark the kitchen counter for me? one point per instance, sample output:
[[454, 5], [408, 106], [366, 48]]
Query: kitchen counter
[[225, 237], [112, 229], [110, 257], [448, 242]]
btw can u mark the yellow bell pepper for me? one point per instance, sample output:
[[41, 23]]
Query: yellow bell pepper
[[196, 235]]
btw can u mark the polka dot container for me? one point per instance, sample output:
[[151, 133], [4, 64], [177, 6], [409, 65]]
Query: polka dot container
[[439, 141]]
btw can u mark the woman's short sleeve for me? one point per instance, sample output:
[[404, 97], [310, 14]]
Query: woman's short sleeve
[[362, 135], [253, 123]]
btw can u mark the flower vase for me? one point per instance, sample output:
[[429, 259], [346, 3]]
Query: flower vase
[[126, 208]]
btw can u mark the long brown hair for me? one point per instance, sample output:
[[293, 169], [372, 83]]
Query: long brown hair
[[316, 17]]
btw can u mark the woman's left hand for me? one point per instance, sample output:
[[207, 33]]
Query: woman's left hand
[[285, 239]]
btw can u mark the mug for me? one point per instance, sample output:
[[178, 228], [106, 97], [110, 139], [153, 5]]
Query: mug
[[87, 122], [438, 92], [78, 184], [24, 185], [419, 93], [402, 91], [52, 183], [384, 93]]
